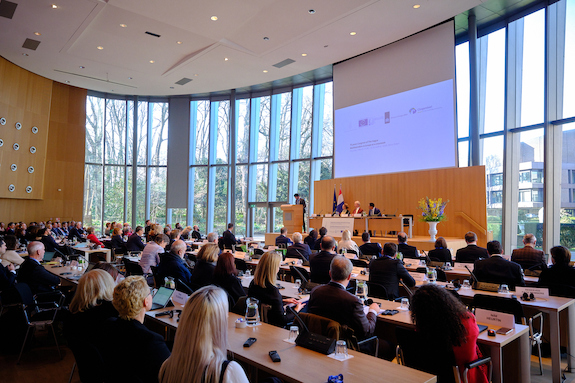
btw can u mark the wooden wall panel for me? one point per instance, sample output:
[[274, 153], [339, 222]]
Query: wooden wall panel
[[463, 187], [64, 109]]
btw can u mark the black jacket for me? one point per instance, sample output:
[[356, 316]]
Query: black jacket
[[271, 295], [319, 264], [36, 276], [407, 251], [203, 275], [470, 254], [298, 250], [560, 279], [135, 243], [229, 240], [440, 255], [231, 284], [7, 278], [388, 271], [171, 265], [495, 269]]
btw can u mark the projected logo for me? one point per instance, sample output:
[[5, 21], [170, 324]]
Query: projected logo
[[372, 121], [412, 111], [363, 122]]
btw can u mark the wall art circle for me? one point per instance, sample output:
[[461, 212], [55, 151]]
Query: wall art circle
[[2, 121], [34, 129], [11, 188], [18, 126], [32, 149], [16, 146], [28, 189], [30, 169], [13, 167]]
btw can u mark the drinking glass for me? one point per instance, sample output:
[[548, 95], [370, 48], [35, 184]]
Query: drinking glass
[[298, 283], [466, 284], [361, 290], [404, 304], [340, 349], [504, 289], [293, 333]]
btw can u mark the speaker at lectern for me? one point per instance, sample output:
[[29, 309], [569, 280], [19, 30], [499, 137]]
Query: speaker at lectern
[[293, 217]]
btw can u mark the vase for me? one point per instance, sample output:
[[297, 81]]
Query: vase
[[432, 230]]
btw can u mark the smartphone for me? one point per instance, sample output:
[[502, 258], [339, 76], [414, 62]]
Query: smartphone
[[249, 342], [504, 331]]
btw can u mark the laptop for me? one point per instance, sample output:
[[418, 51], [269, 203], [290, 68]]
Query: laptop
[[162, 298], [481, 328]]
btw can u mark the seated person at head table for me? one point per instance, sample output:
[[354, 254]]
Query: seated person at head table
[[263, 288], [310, 239], [89, 309], [405, 249], [298, 249], [357, 208], [152, 250], [143, 351], [92, 237], [471, 252], [201, 344], [282, 239], [33, 273], [319, 263], [226, 276], [528, 257], [196, 235], [49, 243], [369, 249], [495, 269], [322, 233], [203, 273], [229, 238], [135, 241], [345, 210], [9, 254], [445, 322], [560, 277], [388, 271], [441, 253], [348, 244], [373, 211], [172, 264]]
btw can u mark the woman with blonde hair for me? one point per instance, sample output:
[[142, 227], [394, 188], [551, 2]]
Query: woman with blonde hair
[[200, 348], [348, 243], [203, 274], [263, 287]]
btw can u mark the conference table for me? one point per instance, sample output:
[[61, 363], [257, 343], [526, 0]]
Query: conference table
[[298, 364], [383, 224]]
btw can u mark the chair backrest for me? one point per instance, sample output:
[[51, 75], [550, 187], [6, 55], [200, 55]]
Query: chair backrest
[[499, 304], [359, 263], [181, 286], [350, 251], [417, 352], [97, 257], [157, 282], [264, 309], [240, 306], [376, 290], [240, 264], [296, 274], [90, 364], [303, 272], [321, 325], [132, 268]]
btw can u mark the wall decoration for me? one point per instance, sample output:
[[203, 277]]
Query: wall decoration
[[11, 188], [2, 121], [1, 142], [18, 126], [28, 189], [13, 167], [30, 169], [16, 146], [32, 149], [34, 129]]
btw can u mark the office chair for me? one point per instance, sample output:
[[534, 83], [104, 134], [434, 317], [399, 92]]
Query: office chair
[[376, 290], [359, 263]]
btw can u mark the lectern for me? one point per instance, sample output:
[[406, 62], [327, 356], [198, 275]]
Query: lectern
[[293, 217]]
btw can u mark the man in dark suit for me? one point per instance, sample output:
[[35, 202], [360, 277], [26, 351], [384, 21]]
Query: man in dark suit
[[319, 263], [404, 248], [387, 271], [334, 302], [368, 249], [373, 211], [301, 201], [322, 232], [33, 273], [560, 277], [298, 249], [196, 235], [229, 239], [76, 232], [172, 264], [282, 240], [529, 257], [135, 243], [495, 269], [471, 252]]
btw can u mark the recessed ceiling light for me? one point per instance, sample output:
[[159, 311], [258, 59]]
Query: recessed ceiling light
[[311, 11], [24, 54], [67, 81], [304, 54], [416, 6], [226, 59], [325, 46], [179, 42], [82, 67], [265, 71], [123, 25], [37, 33], [54, 6], [353, 33], [152, 61], [266, 38], [214, 18], [100, 47]]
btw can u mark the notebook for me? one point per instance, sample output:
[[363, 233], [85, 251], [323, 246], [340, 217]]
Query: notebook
[[162, 298]]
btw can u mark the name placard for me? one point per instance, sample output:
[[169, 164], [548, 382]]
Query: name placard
[[494, 318], [313, 215], [327, 215], [419, 277], [459, 265], [538, 292], [180, 297], [357, 215]]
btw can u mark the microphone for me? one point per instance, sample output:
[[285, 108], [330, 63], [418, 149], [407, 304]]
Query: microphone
[[298, 318], [300, 254], [406, 288], [472, 275]]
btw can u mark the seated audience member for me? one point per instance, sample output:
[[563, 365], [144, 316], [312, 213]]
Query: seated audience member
[[369, 249], [298, 249], [357, 208], [172, 264], [152, 250], [471, 252], [10, 229], [203, 274], [185, 235], [32, 233], [373, 211], [319, 263], [229, 238], [495, 269], [56, 230], [196, 235], [89, 309], [174, 236], [441, 253], [388, 271], [560, 277], [333, 301], [404, 248], [92, 237], [444, 322], [65, 229], [33, 273], [263, 287], [345, 210], [110, 269], [310, 239], [282, 240], [212, 237], [8, 254], [49, 243], [201, 344], [76, 232], [322, 233], [142, 351], [116, 242], [135, 241], [347, 243], [167, 230], [528, 257], [2, 228], [107, 229], [226, 276], [7, 276]]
